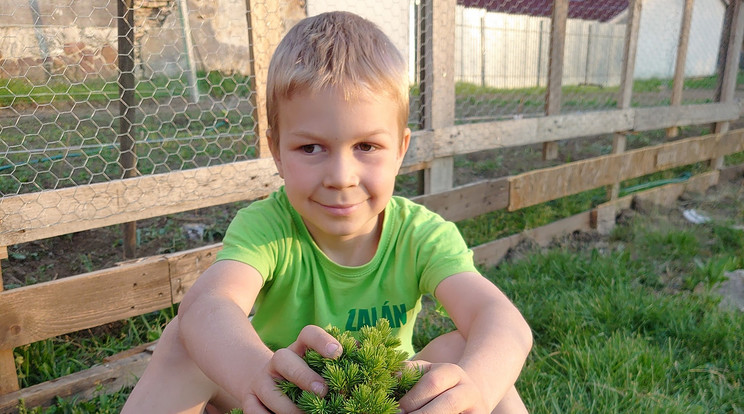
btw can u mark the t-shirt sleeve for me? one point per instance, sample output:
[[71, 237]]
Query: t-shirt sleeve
[[442, 253], [253, 237]]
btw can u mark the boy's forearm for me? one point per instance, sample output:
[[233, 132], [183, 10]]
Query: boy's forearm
[[232, 360], [495, 351]]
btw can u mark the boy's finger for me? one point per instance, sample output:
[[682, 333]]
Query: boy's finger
[[290, 366], [315, 337]]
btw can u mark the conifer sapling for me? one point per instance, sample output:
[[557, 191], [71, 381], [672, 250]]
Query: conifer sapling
[[369, 377]]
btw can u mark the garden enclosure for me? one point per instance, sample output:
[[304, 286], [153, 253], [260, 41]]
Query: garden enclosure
[[97, 136]]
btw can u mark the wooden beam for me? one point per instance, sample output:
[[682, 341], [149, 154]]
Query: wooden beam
[[547, 184], [8, 376], [733, 40], [45, 214], [83, 385], [81, 302], [491, 253], [264, 34], [468, 201], [679, 68], [186, 267], [555, 69], [438, 92], [647, 119], [627, 71]]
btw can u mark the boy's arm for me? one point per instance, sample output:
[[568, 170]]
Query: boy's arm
[[217, 334], [497, 337]]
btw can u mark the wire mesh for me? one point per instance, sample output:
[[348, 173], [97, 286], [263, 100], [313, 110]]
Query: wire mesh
[[502, 55], [60, 97], [60, 105]]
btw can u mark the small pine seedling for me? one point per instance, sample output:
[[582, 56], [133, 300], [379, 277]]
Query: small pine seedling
[[369, 377]]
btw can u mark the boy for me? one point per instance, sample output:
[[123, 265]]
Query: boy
[[334, 247]]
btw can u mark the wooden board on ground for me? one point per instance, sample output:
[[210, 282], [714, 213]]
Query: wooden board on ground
[[83, 385]]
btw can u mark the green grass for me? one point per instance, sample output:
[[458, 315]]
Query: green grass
[[630, 326]]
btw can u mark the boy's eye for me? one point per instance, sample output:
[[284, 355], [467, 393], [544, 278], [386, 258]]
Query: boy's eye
[[365, 147], [310, 148]]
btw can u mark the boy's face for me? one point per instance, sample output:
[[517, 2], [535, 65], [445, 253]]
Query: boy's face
[[339, 160]]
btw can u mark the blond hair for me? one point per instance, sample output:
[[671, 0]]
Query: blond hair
[[339, 50]]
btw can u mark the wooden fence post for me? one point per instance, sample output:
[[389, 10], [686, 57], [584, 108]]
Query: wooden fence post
[[128, 156], [626, 78], [438, 84], [679, 68], [731, 44], [555, 69], [8, 376], [264, 33]]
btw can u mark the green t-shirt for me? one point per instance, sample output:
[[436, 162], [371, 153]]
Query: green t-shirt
[[302, 286]]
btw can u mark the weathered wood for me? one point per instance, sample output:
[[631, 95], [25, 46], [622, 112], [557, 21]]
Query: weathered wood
[[727, 87], [491, 253], [627, 71], [470, 200], [438, 92], [8, 376], [45, 214], [82, 301], [555, 69], [83, 385], [647, 119], [551, 183], [732, 173], [186, 267], [679, 68], [264, 34]]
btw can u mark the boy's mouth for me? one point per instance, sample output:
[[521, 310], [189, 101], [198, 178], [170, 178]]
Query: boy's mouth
[[340, 209]]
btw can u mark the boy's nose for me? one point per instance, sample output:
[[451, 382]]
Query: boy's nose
[[342, 172]]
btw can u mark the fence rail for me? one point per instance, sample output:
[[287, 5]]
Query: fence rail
[[150, 283]]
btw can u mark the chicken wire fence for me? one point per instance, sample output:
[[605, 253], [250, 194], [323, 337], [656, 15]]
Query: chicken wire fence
[[64, 120]]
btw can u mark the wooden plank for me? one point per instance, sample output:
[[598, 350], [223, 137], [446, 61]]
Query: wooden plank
[[82, 301], [83, 385], [731, 67], [438, 92], [627, 71], [732, 173], [647, 119], [45, 214], [264, 34], [491, 253], [8, 376], [551, 183], [555, 68], [470, 200], [733, 40], [186, 267], [585, 124], [679, 68]]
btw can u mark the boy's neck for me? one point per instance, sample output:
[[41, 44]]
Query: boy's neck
[[355, 251]]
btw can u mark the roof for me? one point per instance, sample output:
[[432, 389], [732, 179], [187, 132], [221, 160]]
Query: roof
[[601, 10]]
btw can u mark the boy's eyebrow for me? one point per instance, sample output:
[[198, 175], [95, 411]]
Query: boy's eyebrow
[[312, 135]]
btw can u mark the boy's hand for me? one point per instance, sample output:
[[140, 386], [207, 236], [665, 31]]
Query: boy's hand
[[444, 389], [287, 363]]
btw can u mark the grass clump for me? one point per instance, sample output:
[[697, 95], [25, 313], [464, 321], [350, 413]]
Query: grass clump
[[369, 377]]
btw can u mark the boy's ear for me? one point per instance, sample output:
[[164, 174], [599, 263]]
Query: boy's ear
[[274, 148], [404, 143]]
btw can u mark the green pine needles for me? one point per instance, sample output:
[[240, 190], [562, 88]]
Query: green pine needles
[[369, 377]]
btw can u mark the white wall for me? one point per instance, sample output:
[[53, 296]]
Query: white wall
[[658, 38]]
